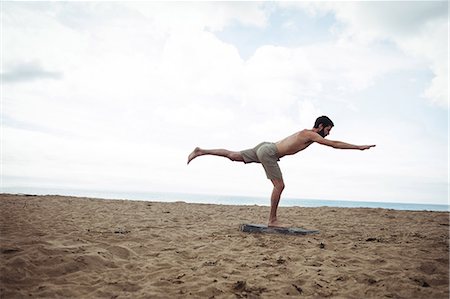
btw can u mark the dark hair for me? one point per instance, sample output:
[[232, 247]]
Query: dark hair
[[324, 120]]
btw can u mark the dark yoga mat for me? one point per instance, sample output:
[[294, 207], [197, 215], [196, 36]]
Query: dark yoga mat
[[260, 228]]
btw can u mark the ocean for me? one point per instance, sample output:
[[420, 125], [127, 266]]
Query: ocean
[[227, 199]]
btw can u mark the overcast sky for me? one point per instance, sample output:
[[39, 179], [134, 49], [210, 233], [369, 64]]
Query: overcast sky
[[115, 95]]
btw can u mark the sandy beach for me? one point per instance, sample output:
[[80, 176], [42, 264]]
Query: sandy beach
[[68, 247]]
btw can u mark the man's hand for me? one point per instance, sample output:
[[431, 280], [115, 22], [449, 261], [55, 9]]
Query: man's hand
[[365, 147]]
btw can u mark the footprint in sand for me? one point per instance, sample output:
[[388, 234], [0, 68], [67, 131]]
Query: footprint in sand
[[120, 252]]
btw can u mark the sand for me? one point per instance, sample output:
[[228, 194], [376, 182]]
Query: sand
[[67, 247]]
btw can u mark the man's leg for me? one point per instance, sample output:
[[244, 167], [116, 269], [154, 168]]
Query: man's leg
[[278, 187], [268, 156], [233, 156]]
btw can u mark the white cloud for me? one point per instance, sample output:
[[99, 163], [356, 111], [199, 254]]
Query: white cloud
[[307, 114], [199, 16], [199, 63], [419, 28], [277, 77]]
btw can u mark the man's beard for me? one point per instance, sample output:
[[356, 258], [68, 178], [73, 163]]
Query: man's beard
[[322, 133]]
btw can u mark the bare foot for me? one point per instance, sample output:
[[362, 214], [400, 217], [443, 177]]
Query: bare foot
[[276, 223], [197, 152]]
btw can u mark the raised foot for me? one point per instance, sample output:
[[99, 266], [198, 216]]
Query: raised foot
[[197, 152]]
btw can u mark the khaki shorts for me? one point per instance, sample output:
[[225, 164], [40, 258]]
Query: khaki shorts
[[265, 153]]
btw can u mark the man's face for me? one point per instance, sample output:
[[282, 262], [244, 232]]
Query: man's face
[[325, 131]]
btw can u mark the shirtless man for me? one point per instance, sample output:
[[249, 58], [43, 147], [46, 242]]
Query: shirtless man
[[268, 154]]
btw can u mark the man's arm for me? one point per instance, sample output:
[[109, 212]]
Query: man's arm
[[337, 144]]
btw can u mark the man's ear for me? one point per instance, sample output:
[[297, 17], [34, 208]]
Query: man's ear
[[320, 127]]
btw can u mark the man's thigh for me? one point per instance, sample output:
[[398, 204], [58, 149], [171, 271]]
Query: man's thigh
[[272, 169]]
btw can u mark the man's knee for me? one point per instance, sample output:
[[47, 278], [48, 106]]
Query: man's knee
[[278, 184], [235, 156]]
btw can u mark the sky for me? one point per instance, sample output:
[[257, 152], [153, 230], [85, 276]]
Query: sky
[[115, 95]]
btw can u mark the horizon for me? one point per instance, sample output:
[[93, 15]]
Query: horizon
[[205, 198], [115, 95]]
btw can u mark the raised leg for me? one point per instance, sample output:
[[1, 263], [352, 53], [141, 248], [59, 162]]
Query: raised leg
[[278, 187], [233, 156]]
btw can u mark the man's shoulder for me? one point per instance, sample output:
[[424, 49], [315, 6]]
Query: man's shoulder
[[305, 132], [308, 135]]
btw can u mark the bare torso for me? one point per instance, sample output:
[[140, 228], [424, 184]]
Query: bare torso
[[294, 143]]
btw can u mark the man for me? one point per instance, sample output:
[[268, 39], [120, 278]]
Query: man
[[268, 154]]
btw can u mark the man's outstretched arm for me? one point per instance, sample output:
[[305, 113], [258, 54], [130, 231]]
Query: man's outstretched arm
[[338, 144]]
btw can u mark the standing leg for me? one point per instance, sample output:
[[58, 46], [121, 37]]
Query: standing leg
[[278, 187], [233, 156]]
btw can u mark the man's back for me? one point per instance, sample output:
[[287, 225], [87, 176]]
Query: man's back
[[294, 143]]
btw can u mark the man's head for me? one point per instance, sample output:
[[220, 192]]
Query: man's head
[[324, 125]]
